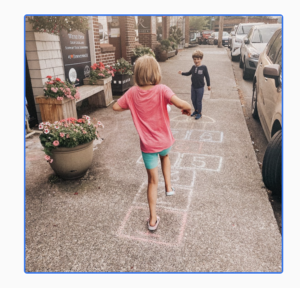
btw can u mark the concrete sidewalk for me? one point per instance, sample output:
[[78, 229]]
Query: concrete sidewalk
[[220, 219]]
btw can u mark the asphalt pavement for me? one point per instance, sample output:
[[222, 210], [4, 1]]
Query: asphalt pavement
[[219, 220]]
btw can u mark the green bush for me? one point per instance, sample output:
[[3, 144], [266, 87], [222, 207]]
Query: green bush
[[140, 51]]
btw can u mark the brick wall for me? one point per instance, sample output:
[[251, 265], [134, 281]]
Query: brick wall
[[44, 57], [104, 53], [130, 36]]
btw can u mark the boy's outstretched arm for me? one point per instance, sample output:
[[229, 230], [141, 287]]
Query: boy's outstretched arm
[[181, 104], [117, 107]]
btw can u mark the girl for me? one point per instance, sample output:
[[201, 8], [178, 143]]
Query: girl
[[147, 102]]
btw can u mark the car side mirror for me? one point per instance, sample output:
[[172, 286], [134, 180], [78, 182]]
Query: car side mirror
[[272, 71], [246, 41]]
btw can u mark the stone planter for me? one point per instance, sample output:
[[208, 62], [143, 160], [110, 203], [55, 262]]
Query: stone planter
[[54, 110], [72, 163], [121, 83], [171, 53], [105, 95]]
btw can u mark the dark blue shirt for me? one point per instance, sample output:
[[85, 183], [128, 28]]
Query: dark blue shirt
[[198, 74]]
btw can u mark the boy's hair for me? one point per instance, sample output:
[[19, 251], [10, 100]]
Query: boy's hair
[[197, 54], [147, 71]]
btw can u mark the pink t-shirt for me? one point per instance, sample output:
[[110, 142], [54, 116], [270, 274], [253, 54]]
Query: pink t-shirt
[[150, 116]]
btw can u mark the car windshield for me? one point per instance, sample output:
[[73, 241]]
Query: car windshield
[[244, 29], [263, 35]]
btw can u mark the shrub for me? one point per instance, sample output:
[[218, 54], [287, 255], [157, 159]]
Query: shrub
[[123, 67], [140, 51]]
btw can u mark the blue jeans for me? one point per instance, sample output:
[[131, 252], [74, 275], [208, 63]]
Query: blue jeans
[[197, 95]]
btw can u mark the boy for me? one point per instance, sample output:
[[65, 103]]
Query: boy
[[198, 72]]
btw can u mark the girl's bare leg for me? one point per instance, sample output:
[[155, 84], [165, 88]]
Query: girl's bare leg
[[152, 193], [166, 169]]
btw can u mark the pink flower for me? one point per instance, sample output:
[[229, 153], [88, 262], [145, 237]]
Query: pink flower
[[55, 143], [62, 134], [56, 127], [41, 126], [84, 132], [47, 157], [67, 136], [100, 124], [46, 131], [51, 161]]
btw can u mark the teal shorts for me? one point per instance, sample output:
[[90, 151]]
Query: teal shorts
[[151, 159]]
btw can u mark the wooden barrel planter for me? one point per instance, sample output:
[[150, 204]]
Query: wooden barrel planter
[[54, 110]]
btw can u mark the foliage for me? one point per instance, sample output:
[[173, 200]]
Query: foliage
[[161, 53], [123, 67], [140, 51], [54, 24], [200, 23], [99, 71], [68, 133], [166, 44], [176, 34], [55, 88]]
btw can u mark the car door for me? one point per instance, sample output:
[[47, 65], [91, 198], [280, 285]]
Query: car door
[[267, 87], [244, 49]]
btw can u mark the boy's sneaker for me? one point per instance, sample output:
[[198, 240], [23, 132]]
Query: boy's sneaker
[[194, 113], [198, 116]]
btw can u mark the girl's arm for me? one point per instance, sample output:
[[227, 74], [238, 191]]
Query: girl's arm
[[181, 104], [117, 107]]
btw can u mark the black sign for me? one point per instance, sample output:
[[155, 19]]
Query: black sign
[[76, 55], [144, 24]]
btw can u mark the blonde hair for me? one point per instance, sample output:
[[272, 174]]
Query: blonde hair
[[147, 71], [197, 54]]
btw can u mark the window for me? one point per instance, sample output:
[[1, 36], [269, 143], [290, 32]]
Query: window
[[279, 58], [274, 48], [244, 29], [266, 34], [255, 37]]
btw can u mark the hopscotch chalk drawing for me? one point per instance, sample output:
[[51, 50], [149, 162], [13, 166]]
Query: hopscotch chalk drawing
[[186, 159]]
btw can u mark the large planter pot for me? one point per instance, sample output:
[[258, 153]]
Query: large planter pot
[[72, 163], [54, 110], [121, 83], [171, 53]]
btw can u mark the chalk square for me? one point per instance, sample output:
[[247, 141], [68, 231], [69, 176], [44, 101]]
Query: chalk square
[[179, 177], [199, 161], [187, 146], [206, 136], [179, 201], [180, 134], [169, 232], [174, 158]]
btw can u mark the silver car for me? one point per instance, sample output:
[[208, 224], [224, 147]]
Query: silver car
[[267, 106], [241, 31], [253, 44]]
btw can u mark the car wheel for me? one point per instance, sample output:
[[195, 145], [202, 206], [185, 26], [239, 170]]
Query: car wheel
[[254, 111], [241, 63], [271, 168], [246, 74]]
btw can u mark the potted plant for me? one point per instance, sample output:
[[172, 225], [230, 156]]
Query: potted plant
[[99, 75], [58, 101], [68, 145], [122, 80], [140, 51], [161, 53]]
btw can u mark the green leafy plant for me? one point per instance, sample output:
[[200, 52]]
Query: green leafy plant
[[140, 51], [176, 34], [99, 71], [122, 67], [69, 133], [54, 24], [55, 88]]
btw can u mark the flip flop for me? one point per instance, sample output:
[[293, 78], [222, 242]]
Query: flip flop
[[171, 192], [153, 228]]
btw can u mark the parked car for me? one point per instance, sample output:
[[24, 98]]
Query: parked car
[[267, 106], [231, 35], [213, 38], [195, 37], [253, 44], [241, 31], [204, 36]]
